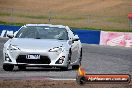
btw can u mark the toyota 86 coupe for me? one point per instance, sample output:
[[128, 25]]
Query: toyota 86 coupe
[[42, 45]]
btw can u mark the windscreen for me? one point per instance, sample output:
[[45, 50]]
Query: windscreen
[[42, 32]]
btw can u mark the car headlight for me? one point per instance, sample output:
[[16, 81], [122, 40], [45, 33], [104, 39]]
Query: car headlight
[[13, 47], [56, 49]]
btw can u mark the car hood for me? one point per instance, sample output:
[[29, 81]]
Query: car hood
[[38, 43]]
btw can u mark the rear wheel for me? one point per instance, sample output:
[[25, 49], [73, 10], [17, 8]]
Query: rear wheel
[[8, 67], [80, 57], [22, 68], [75, 67]]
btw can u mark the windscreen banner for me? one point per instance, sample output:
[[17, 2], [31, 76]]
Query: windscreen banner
[[116, 39]]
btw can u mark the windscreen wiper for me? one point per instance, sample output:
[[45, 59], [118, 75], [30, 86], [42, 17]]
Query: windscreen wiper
[[60, 39], [37, 38]]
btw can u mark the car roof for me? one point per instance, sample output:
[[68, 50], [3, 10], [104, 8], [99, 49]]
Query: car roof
[[50, 25]]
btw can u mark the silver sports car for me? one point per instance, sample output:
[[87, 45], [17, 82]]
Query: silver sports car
[[42, 45]]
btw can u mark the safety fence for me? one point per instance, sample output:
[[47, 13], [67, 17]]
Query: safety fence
[[88, 36]]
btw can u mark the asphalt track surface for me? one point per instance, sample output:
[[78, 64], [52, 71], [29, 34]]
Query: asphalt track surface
[[96, 60]]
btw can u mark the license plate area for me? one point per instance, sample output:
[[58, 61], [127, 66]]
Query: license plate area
[[33, 56]]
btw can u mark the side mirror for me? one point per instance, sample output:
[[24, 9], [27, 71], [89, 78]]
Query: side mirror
[[75, 38], [10, 34]]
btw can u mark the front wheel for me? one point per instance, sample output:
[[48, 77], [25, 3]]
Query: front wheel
[[64, 68], [68, 62], [8, 67], [21, 68]]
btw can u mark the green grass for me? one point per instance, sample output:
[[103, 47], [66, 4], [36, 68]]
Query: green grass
[[117, 20], [26, 16], [42, 16], [8, 23], [84, 28], [5, 14], [108, 29], [34, 17]]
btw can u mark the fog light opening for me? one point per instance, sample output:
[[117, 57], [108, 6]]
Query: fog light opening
[[7, 58], [60, 60]]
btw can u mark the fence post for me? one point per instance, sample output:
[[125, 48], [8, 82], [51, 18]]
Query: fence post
[[49, 18], [128, 24], [11, 14], [129, 20], [88, 18]]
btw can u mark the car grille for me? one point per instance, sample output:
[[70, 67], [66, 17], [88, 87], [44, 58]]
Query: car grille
[[42, 60]]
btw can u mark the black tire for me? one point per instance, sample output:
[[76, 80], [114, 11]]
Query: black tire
[[80, 56], [64, 68], [69, 57], [75, 67], [8, 67], [22, 68]]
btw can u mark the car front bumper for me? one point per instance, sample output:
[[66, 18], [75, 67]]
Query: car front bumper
[[49, 59]]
